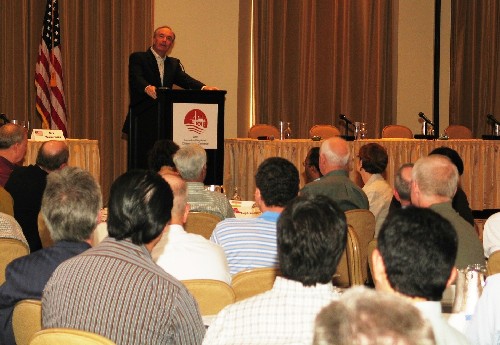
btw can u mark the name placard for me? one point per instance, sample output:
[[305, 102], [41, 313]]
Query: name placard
[[47, 134]]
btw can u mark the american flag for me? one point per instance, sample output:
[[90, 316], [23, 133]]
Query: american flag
[[50, 102]]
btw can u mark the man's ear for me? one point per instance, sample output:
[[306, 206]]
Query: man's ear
[[186, 212], [378, 271], [453, 276]]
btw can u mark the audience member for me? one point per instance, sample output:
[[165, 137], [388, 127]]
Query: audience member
[[13, 145], [191, 163], [311, 165], [312, 235], [10, 228], [115, 289], [364, 316], [434, 182], [70, 206], [415, 256], [334, 158], [459, 201], [402, 188], [161, 157], [251, 242], [371, 164], [491, 235], [184, 255], [484, 329], [27, 183]]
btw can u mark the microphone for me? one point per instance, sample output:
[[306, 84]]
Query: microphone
[[4, 118], [423, 117], [489, 116], [343, 117]]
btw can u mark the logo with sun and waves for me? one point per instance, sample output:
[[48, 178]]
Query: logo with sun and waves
[[196, 121]]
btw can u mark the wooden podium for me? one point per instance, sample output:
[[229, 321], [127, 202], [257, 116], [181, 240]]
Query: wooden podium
[[184, 116]]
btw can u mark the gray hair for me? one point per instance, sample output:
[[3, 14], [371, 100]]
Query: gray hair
[[11, 134], [190, 160], [70, 204], [435, 175], [369, 317], [332, 154], [402, 186]]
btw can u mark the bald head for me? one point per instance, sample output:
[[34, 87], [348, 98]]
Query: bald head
[[179, 189], [334, 154], [13, 142], [52, 155]]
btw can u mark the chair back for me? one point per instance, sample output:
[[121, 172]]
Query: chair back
[[43, 232], [349, 267], [397, 131], [6, 202], [67, 336], [201, 223], [324, 131], [212, 295], [263, 130], [371, 247], [494, 263], [26, 320], [10, 249], [363, 224], [253, 282], [458, 132]]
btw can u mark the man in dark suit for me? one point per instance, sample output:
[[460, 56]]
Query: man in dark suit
[[152, 69], [70, 207]]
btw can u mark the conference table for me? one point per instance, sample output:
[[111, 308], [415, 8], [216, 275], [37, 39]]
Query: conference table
[[480, 180], [83, 153]]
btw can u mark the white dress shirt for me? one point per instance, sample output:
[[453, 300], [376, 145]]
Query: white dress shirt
[[379, 194], [491, 235], [190, 256]]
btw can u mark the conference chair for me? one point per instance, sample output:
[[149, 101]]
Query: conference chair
[[26, 320], [43, 232], [363, 224], [397, 131], [212, 295], [67, 336], [6, 202], [494, 263], [263, 130], [371, 247], [458, 132], [201, 223], [10, 249], [324, 131], [253, 282], [349, 268]]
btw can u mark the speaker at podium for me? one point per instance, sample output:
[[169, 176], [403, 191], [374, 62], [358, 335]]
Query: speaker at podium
[[186, 117]]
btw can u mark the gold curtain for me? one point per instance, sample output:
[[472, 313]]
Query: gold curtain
[[314, 60], [97, 37], [475, 60]]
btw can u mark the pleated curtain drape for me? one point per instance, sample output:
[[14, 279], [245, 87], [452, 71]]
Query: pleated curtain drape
[[97, 37]]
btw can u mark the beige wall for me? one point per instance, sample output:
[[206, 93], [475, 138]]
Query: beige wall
[[207, 44]]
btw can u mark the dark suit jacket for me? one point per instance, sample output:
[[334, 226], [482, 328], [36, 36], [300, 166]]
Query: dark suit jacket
[[26, 277]]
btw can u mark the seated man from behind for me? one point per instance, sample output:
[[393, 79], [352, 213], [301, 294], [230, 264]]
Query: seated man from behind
[[115, 289], [26, 185], [434, 182], [415, 258], [311, 165], [161, 157], [312, 235], [13, 145], [191, 163], [184, 255], [402, 188], [251, 242], [334, 159], [368, 317], [10, 228], [70, 205]]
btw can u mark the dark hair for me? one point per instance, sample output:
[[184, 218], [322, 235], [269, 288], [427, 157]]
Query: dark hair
[[452, 155], [312, 235], [140, 205], [162, 154], [277, 180], [314, 158], [373, 158], [419, 248]]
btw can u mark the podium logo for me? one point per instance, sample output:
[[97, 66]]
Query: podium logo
[[196, 121]]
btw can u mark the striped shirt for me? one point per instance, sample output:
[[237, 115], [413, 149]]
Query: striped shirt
[[248, 242], [201, 200], [117, 291]]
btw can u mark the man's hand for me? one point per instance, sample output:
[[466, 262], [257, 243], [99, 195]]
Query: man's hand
[[151, 91]]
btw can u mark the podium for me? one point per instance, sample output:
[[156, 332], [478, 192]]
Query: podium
[[186, 117]]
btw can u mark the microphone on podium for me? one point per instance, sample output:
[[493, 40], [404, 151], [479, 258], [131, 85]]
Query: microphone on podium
[[489, 116], [423, 117], [343, 117]]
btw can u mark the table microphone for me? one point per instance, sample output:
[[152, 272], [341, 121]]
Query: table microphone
[[423, 117], [343, 117], [489, 116]]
